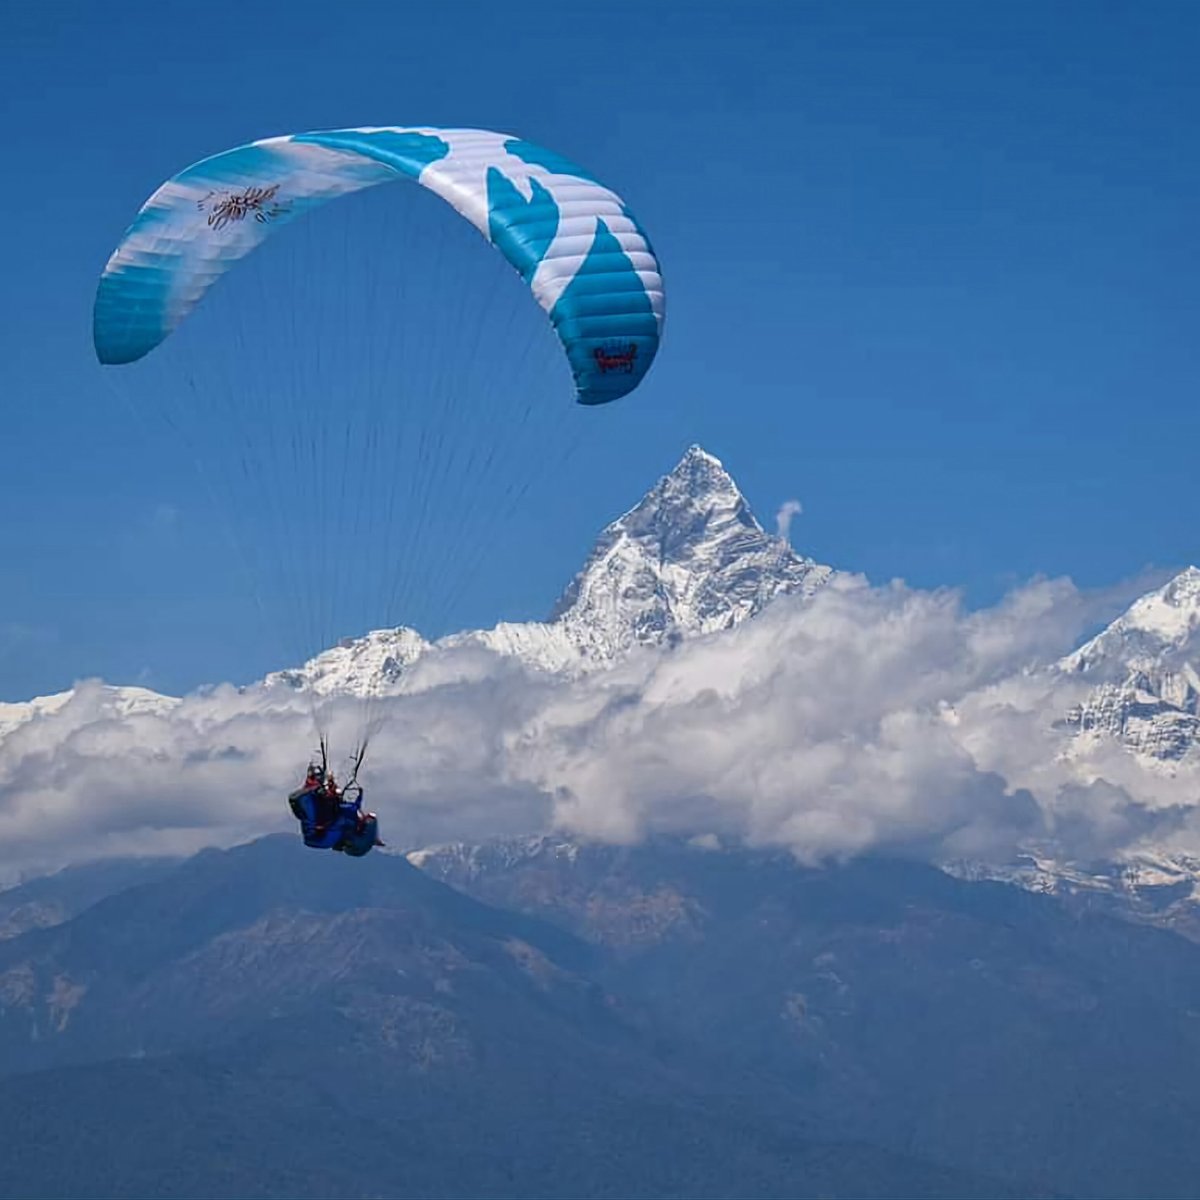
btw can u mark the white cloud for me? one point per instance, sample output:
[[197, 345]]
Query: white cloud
[[869, 718], [783, 518]]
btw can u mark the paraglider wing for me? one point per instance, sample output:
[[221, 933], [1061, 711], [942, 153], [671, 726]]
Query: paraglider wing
[[575, 243]]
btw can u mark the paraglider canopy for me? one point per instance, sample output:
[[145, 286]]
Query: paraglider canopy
[[575, 243]]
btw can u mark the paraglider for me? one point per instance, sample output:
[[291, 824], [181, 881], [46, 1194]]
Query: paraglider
[[333, 819], [575, 243]]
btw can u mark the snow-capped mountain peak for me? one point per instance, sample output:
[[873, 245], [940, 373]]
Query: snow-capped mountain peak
[[675, 523], [1144, 666], [689, 558], [1156, 626]]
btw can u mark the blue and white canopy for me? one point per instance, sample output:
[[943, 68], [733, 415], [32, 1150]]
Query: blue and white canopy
[[583, 254]]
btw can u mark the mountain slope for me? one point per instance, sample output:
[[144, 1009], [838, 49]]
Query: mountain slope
[[255, 1123], [277, 1022], [967, 1022], [52, 899], [233, 939]]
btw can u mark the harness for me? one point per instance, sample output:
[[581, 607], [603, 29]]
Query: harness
[[321, 811]]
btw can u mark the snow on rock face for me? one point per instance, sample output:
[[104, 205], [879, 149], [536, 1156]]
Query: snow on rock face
[[455, 862], [689, 559], [1147, 692], [358, 666], [104, 700], [1160, 628], [1144, 721], [1148, 887]]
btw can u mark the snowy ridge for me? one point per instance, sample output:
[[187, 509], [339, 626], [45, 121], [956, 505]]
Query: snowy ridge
[[1148, 888], [1040, 871], [1147, 693], [361, 666], [1158, 626], [690, 558], [464, 860], [116, 702]]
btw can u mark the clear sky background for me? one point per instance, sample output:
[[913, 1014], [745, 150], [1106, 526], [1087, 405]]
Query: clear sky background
[[932, 269]]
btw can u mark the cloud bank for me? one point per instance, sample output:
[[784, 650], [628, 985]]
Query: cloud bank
[[882, 719]]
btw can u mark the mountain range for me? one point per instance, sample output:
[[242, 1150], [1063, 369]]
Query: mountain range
[[267, 1021], [542, 1016], [690, 560]]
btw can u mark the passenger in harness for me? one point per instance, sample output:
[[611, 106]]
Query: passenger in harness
[[331, 819]]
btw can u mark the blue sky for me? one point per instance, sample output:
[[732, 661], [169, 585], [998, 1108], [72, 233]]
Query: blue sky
[[931, 269]]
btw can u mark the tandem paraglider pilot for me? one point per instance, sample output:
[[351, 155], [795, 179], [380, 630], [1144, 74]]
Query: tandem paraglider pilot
[[331, 819]]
